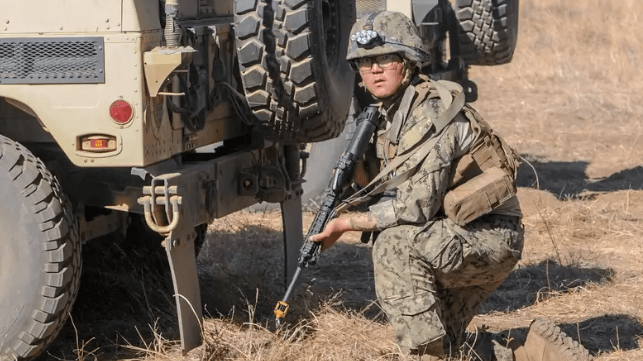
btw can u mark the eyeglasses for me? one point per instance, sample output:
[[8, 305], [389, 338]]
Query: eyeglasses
[[383, 61]]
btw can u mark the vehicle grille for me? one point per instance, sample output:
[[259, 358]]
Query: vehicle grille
[[368, 6], [52, 60]]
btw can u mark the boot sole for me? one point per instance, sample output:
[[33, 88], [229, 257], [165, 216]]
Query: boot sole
[[568, 349]]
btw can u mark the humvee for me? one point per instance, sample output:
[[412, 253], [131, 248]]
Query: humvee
[[105, 107]]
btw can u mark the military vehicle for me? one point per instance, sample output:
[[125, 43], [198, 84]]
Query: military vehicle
[[104, 104]]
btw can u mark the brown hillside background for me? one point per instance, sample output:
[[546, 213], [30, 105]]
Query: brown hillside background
[[570, 102]]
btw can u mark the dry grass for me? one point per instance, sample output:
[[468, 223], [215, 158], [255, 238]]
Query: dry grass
[[570, 102], [575, 75]]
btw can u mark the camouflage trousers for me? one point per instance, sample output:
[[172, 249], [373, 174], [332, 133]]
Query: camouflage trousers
[[430, 279]]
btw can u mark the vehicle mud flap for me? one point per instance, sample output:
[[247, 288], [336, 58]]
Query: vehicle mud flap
[[179, 246], [291, 216], [180, 250]]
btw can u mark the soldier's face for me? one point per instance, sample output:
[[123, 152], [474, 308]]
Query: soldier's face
[[383, 82]]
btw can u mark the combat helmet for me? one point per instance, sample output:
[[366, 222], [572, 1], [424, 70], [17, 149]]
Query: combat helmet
[[386, 32]]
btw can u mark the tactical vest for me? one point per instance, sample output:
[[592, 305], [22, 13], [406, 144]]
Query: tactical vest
[[481, 180]]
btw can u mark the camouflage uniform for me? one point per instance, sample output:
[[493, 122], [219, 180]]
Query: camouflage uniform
[[431, 274]]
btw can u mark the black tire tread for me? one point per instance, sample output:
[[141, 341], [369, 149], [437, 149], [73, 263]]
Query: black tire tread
[[43, 196], [484, 31], [283, 89]]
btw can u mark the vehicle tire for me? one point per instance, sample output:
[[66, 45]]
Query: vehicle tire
[[487, 31], [292, 60], [40, 262]]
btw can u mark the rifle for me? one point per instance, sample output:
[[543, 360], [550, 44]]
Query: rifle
[[343, 171]]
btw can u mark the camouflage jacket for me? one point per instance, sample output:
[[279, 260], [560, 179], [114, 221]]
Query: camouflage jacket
[[419, 198]]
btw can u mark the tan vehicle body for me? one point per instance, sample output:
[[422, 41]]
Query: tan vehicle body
[[69, 112]]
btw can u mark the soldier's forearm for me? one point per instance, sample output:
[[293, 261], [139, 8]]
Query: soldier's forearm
[[363, 222]]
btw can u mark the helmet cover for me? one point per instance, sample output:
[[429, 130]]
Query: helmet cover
[[386, 32]]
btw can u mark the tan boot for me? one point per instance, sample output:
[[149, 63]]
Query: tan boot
[[546, 342]]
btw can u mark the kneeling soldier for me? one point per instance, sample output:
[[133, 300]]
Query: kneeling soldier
[[452, 233]]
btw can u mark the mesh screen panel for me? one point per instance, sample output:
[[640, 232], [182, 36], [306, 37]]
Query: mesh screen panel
[[368, 6], [52, 60]]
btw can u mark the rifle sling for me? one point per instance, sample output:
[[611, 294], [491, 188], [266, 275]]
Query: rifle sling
[[444, 119]]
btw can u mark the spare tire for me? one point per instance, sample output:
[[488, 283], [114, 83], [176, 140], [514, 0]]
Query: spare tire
[[291, 56], [487, 30]]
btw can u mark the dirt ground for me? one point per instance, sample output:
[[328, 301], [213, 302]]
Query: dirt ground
[[570, 103]]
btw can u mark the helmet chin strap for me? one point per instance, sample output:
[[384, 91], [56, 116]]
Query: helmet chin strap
[[409, 72]]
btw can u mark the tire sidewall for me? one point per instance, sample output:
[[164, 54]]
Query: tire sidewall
[[336, 84], [513, 11], [40, 251], [21, 261]]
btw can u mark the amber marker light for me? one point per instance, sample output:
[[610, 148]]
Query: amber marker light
[[121, 111], [98, 143]]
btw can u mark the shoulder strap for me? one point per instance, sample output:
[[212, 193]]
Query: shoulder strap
[[401, 114], [445, 89], [420, 152]]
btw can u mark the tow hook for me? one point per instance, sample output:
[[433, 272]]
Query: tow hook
[[160, 194]]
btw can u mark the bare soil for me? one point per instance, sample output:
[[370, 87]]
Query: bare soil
[[570, 103]]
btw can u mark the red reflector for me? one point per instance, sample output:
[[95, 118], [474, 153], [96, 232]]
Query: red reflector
[[120, 111]]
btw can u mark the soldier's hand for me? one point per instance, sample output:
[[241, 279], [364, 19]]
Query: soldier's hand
[[332, 232]]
